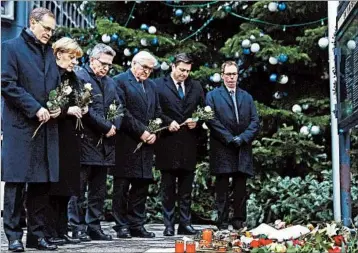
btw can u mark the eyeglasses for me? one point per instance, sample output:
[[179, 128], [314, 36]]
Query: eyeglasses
[[105, 64], [230, 74], [46, 28], [145, 68]]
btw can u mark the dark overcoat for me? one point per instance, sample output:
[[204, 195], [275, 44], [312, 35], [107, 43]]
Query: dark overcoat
[[69, 145], [95, 123], [224, 157], [140, 108], [177, 150], [28, 73]]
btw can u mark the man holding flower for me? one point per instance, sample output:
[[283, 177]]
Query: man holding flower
[[28, 73], [233, 128], [176, 150], [97, 145]]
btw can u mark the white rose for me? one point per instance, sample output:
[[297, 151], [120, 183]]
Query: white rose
[[88, 86], [158, 121], [67, 90], [112, 107], [207, 109]]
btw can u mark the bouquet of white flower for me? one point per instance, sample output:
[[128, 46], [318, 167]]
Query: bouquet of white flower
[[153, 127], [57, 98], [203, 114], [83, 99]]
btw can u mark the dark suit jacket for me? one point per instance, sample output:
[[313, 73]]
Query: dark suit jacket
[[140, 108], [224, 157], [177, 150]]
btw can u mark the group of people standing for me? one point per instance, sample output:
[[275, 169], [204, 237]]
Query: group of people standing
[[64, 169]]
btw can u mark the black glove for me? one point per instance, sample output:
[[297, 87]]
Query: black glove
[[237, 141]]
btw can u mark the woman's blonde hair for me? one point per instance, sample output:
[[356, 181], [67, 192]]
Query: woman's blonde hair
[[67, 45]]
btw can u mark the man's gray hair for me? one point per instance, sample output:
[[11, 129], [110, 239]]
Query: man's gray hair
[[142, 56], [101, 49]]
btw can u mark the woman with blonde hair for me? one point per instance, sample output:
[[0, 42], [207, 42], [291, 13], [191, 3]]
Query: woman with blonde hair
[[67, 51]]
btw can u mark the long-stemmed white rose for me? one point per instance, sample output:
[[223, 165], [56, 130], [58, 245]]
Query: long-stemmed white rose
[[153, 127], [83, 99]]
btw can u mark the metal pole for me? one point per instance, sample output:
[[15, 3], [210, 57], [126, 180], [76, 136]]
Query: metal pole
[[332, 15], [345, 179]]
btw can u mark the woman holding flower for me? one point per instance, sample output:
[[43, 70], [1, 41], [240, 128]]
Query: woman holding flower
[[67, 51]]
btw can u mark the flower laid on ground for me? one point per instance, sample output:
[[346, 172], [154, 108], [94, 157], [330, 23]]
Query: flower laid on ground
[[57, 99], [114, 111], [203, 114], [153, 127], [83, 99]]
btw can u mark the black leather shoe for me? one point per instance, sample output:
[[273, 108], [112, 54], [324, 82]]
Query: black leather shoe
[[123, 233], [223, 226], [16, 246], [237, 224], [168, 231], [98, 235], [56, 241], [186, 230], [141, 232], [81, 235], [69, 240], [42, 244]]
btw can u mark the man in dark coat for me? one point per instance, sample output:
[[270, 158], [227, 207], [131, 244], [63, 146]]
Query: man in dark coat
[[28, 73], [179, 97], [97, 145], [135, 169], [233, 129]]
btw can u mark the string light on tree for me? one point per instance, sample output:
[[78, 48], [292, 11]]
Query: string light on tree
[[323, 42]]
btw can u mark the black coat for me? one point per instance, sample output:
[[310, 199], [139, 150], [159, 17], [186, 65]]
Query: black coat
[[177, 150], [28, 73], [95, 124], [140, 108], [224, 157], [69, 145]]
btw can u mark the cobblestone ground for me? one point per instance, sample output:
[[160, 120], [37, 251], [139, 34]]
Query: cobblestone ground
[[158, 244]]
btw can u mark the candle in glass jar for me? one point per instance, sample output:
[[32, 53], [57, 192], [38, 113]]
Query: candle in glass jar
[[207, 235], [190, 247], [179, 246]]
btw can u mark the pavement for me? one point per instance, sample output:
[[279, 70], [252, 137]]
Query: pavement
[[154, 245]]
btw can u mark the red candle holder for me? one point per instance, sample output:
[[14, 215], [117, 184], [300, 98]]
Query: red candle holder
[[190, 247], [179, 246]]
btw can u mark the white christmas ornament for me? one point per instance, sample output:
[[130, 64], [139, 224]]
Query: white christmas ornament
[[272, 6], [315, 130], [144, 42], [252, 37], [304, 130], [106, 38], [237, 55], [278, 95], [296, 108], [164, 66], [351, 44], [127, 52], [246, 43], [129, 63], [283, 79], [152, 29], [216, 78], [186, 19], [323, 42], [255, 48], [273, 60], [305, 106]]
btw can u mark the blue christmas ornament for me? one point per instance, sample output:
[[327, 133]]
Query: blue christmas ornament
[[206, 64], [121, 42], [82, 38], [246, 51], [135, 50], [144, 27], [282, 58], [114, 37], [211, 78], [179, 12], [273, 77], [227, 8], [111, 19], [282, 6], [155, 41]]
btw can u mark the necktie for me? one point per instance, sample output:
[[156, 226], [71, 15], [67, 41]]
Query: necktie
[[233, 97], [180, 90], [143, 87]]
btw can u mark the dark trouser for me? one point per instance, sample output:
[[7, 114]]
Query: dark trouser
[[96, 178], [168, 191], [37, 210], [58, 225], [129, 206], [222, 197]]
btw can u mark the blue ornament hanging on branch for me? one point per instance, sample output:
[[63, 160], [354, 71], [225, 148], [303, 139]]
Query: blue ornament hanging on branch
[[155, 41], [246, 51], [282, 58], [282, 6], [227, 8], [135, 50], [121, 43], [144, 27], [114, 37], [179, 12], [273, 77]]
